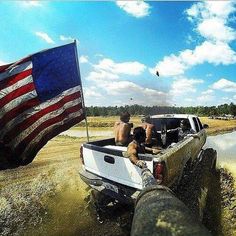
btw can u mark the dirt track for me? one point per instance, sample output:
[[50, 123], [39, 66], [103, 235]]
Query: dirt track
[[49, 194]]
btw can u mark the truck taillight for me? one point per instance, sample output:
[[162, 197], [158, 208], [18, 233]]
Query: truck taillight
[[81, 155], [158, 172]]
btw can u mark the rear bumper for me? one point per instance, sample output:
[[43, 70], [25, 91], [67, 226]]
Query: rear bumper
[[117, 191]]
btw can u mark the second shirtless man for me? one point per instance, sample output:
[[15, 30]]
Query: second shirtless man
[[122, 130]]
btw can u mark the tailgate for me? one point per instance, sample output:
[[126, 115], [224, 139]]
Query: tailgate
[[110, 164]]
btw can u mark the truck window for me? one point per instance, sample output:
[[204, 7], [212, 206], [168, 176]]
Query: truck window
[[199, 122], [196, 124], [170, 123]]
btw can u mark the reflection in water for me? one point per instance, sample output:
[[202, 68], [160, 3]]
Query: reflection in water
[[225, 145]]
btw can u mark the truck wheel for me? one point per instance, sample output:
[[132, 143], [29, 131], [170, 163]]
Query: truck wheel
[[211, 154]]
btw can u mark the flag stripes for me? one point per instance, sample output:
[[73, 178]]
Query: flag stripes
[[14, 79], [38, 108], [40, 96], [26, 128], [17, 102], [71, 112], [35, 118], [15, 69], [49, 133]]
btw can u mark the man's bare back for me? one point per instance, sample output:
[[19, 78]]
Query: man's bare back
[[149, 128], [122, 133], [122, 130]]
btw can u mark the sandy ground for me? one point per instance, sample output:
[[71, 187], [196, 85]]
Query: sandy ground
[[47, 197]]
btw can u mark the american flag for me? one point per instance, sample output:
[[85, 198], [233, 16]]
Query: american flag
[[40, 96]]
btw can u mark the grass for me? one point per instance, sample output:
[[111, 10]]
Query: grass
[[218, 126]]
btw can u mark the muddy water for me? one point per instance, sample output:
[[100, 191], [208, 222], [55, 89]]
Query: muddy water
[[225, 145], [93, 132]]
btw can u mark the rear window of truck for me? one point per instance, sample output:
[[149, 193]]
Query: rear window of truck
[[170, 123]]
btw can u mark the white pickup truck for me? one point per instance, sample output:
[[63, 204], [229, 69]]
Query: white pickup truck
[[107, 169]]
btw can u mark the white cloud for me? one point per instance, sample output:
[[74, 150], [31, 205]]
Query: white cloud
[[107, 69], [106, 76], [225, 85], [30, 3], [182, 86], [211, 20], [216, 30], [169, 66], [83, 59], [45, 37], [101, 75], [126, 68], [215, 53], [66, 38], [137, 9], [140, 95], [92, 92], [208, 92], [209, 9]]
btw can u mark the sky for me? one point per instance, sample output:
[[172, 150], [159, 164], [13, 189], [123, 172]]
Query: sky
[[122, 44]]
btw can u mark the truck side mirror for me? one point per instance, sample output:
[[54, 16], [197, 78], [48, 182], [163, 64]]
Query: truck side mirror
[[205, 126]]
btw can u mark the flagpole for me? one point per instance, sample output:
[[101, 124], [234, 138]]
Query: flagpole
[[82, 95]]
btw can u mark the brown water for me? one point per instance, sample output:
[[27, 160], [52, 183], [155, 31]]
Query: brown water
[[93, 132], [225, 145]]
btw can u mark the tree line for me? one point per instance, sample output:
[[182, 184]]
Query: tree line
[[154, 110]]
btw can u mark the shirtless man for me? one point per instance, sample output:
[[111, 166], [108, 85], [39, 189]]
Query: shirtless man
[[122, 130], [137, 146], [151, 133]]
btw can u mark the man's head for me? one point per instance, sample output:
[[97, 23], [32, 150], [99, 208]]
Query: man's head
[[139, 134], [184, 124], [125, 116], [146, 119]]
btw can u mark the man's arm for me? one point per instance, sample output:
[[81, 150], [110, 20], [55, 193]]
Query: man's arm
[[193, 134], [173, 130], [133, 154]]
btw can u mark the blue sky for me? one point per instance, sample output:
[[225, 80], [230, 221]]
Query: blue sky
[[122, 44]]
